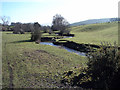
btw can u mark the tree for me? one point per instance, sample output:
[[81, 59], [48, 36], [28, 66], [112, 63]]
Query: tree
[[44, 28], [6, 21], [17, 28], [36, 34], [60, 24]]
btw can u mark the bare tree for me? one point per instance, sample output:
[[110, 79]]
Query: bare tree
[[5, 20], [60, 24]]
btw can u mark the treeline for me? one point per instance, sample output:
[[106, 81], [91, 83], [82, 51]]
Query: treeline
[[58, 24], [21, 28]]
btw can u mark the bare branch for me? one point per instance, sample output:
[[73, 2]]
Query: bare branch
[[5, 20]]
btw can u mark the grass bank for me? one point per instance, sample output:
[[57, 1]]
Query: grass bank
[[95, 33], [29, 65]]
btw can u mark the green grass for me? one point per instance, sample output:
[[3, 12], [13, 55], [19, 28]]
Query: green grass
[[95, 33], [30, 65], [51, 35], [35, 65]]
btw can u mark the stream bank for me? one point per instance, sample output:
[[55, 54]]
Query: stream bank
[[76, 46], [70, 46], [63, 47]]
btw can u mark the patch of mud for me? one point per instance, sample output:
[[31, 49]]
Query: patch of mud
[[49, 64], [35, 52]]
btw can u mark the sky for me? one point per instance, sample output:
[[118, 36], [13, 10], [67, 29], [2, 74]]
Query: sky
[[42, 11]]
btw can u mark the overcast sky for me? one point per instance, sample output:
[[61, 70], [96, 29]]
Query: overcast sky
[[42, 11]]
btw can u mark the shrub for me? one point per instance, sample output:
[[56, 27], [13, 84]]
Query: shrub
[[103, 66], [102, 71], [36, 34]]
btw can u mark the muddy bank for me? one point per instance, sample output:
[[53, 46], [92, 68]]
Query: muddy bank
[[47, 39], [76, 46], [82, 47], [63, 47], [73, 45]]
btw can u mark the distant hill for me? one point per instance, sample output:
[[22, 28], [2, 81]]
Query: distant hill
[[93, 21]]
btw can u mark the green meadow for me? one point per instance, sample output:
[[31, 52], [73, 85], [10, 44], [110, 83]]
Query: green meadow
[[95, 33], [30, 65]]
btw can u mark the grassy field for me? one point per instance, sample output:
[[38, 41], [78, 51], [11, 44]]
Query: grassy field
[[29, 65], [95, 33]]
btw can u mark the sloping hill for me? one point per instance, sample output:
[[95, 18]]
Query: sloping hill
[[95, 33], [93, 21], [93, 27]]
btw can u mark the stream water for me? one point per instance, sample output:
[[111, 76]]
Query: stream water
[[68, 49]]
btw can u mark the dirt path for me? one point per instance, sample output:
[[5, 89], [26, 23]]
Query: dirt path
[[11, 85]]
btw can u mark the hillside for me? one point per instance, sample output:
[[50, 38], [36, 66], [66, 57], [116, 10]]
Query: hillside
[[95, 33], [93, 21]]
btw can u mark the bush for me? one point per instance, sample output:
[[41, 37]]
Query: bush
[[103, 66], [102, 71], [36, 34]]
